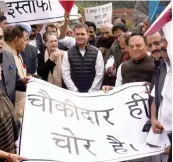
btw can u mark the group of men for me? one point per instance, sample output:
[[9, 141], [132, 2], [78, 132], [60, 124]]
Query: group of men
[[91, 63]]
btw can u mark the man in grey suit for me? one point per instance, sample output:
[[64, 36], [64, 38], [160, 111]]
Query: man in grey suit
[[10, 79]]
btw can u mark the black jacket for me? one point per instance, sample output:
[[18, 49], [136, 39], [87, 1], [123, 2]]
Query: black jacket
[[44, 68]]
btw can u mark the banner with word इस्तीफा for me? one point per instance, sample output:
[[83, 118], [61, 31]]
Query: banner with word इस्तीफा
[[36, 11]]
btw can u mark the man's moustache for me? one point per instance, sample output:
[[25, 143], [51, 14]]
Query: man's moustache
[[156, 51], [32, 36], [164, 49]]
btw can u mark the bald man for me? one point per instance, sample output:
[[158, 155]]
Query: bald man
[[106, 38], [104, 44], [106, 30]]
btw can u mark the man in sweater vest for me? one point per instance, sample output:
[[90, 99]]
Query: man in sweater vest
[[139, 67], [83, 66]]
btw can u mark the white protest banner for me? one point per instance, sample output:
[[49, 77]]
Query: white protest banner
[[36, 11], [59, 125], [99, 14]]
